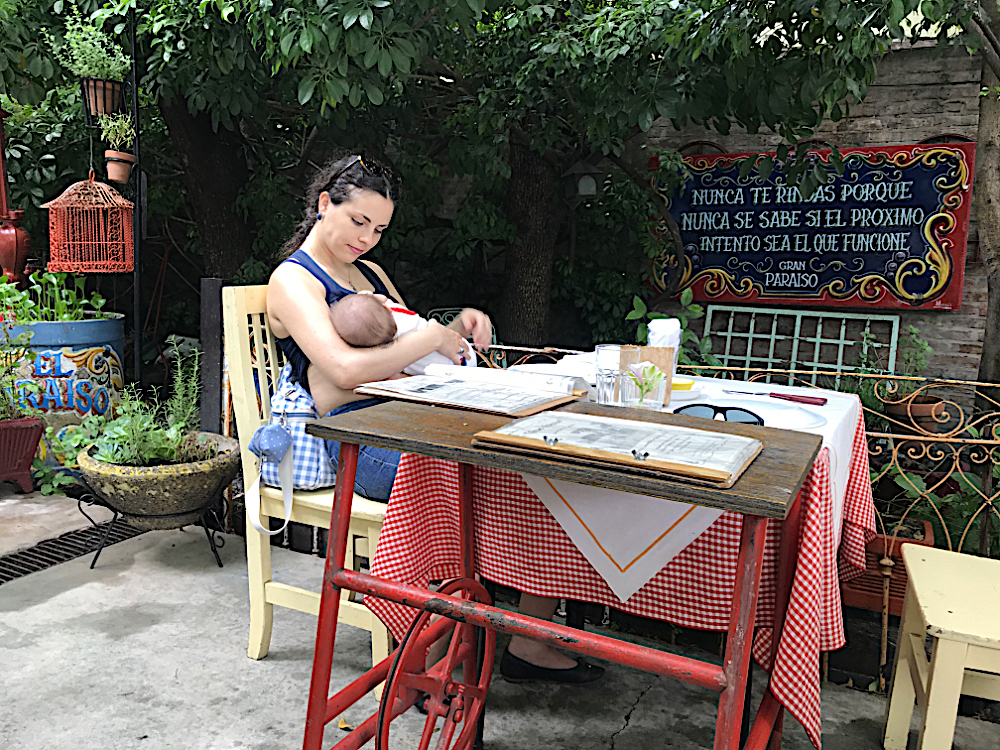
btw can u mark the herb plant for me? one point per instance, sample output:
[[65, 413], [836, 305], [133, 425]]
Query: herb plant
[[12, 352], [151, 433], [88, 52], [49, 297], [118, 130]]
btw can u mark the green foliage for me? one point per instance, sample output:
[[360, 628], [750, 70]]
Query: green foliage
[[12, 352], [957, 499], [695, 350], [118, 130], [49, 297], [88, 52], [64, 446], [149, 434]]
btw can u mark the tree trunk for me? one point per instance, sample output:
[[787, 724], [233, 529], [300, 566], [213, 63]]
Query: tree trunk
[[988, 216], [534, 208], [215, 170]]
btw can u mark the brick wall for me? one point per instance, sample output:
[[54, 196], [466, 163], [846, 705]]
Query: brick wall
[[918, 93]]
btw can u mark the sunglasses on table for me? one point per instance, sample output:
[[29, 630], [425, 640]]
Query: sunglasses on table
[[729, 413]]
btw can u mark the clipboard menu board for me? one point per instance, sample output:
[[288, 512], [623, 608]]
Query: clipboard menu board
[[716, 458]]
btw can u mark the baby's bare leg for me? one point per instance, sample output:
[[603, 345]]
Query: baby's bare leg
[[324, 392]]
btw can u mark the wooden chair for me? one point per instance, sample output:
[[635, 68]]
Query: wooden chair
[[255, 362], [952, 598]]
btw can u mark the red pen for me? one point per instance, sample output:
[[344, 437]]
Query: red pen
[[811, 400]]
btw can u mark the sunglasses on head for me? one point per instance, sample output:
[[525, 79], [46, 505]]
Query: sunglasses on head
[[373, 168], [729, 413]]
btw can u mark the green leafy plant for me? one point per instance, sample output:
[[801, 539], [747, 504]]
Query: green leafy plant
[[152, 434], [64, 445], [12, 353], [695, 350], [118, 130], [49, 297], [88, 52]]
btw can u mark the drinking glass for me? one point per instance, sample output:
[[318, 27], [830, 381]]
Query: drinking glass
[[613, 388]]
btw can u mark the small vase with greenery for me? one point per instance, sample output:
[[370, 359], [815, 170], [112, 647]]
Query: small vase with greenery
[[119, 131], [94, 56]]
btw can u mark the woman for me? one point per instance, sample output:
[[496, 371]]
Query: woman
[[349, 204]]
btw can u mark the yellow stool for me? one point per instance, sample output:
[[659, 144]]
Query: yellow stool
[[954, 599]]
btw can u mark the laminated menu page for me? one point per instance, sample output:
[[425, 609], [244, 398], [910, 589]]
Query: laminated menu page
[[515, 394], [706, 455]]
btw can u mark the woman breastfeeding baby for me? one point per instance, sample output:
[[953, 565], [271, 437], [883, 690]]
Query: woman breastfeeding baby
[[335, 338]]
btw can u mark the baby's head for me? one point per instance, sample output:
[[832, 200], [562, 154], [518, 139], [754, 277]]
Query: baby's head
[[363, 320]]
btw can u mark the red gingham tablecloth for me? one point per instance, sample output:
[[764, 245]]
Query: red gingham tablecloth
[[519, 544]]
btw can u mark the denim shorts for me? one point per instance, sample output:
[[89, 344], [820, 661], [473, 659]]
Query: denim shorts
[[376, 466]]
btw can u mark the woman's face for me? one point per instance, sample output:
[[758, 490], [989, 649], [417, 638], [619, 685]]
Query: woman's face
[[352, 228]]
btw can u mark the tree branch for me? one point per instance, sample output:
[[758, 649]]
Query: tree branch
[[661, 209], [991, 46], [443, 70]]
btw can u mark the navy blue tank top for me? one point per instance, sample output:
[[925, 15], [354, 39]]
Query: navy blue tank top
[[334, 291]]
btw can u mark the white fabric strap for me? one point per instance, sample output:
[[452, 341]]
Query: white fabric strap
[[286, 479]]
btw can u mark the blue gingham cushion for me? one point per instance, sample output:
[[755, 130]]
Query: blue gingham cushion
[[293, 407]]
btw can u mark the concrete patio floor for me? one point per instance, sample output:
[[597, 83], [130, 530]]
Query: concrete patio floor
[[149, 651]]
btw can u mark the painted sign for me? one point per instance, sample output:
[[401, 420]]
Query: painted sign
[[891, 231], [83, 381]]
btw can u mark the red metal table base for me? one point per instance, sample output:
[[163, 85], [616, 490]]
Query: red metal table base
[[462, 703]]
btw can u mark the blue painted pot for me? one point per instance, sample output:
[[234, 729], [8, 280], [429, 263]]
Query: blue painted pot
[[75, 367]]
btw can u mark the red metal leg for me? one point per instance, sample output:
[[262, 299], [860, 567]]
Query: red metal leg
[[329, 607], [748, 567]]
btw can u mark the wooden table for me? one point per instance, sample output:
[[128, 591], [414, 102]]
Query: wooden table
[[767, 490]]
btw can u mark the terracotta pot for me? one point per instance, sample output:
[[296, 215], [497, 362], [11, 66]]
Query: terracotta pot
[[917, 415], [104, 97], [865, 591], [18, 442], [163, 497], [119, 164]]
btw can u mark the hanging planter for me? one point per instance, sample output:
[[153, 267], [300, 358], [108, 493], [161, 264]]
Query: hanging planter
[[90, 229], [118, 131], [101, 97], [100, 63]]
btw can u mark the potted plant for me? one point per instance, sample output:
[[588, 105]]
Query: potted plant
[[908, 408], [152, 466], [19, 431], [100, 63], [72, 364], [118, 130]]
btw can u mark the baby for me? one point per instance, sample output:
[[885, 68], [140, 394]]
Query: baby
[[367, 320]]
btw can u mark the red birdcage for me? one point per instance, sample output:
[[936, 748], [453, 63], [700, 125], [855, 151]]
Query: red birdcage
[[90, 229]]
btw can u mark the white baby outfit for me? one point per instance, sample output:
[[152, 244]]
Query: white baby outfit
[[408, 321]]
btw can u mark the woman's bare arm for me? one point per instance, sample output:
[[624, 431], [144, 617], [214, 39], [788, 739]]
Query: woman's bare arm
[[296, 307]]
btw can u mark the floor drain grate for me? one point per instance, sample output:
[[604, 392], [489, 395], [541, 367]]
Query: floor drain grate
[[71, 545]]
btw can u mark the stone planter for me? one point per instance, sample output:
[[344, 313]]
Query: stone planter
[[163, 497], [18, 443]]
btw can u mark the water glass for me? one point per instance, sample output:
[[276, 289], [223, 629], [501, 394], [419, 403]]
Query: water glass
[[613, 360]]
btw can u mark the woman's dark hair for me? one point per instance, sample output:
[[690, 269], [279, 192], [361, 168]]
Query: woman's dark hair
[[339, 178]]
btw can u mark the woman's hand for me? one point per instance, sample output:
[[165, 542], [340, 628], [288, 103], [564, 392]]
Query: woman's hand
[[475, 323], [451, 343]]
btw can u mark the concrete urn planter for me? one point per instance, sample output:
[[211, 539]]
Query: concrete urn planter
[[163, 497]]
